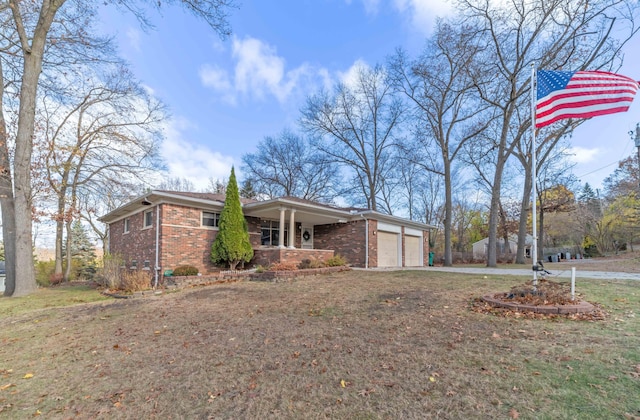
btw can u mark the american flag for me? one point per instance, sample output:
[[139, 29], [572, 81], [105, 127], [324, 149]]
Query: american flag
[[581, 94]]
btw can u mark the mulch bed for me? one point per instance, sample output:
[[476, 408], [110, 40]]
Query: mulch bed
[[545, 301]]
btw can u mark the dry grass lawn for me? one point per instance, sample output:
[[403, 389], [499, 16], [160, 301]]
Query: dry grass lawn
[[356, 345]]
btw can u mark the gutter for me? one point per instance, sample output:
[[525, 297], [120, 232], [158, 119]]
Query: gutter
[[157, 268], [366, 241]]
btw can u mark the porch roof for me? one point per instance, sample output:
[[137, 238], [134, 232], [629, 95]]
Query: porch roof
[[307, 212]]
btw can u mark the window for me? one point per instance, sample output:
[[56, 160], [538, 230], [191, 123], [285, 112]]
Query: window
[[210, 219], [148, 218], [147, 265], [270, 233], [126, 225], [134, 264]]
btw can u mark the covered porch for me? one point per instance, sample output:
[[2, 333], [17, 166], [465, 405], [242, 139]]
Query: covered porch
[[287, 228]]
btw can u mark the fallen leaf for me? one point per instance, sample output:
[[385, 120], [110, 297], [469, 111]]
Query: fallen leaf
[[495, 335], [28, 376], [37, 413], [343, 383], [513, 413], [3, 387], [432, 379]]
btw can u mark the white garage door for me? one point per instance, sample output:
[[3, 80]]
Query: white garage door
[[412, 255], [387, 249]]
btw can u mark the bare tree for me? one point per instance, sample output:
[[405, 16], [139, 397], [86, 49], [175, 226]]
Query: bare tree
[[546, 150], [176, 184], [110, 134], [551, 34], [357, 127], [445, 110], [33, 34], [286, 165]]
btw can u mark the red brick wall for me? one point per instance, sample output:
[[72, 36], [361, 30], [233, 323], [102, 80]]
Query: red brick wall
[[346, 239], [182, 239], [425, 247], [267, 256], [138, 244], [185, 241]]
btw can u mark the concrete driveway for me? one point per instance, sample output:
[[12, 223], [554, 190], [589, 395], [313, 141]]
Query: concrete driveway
[[564, 274]]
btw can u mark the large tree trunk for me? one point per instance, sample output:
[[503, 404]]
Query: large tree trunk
[[7, 204], [25, 277], [69, 257], [32, 50], [448, 214], [60, 218], [524, 217], [493, 212]]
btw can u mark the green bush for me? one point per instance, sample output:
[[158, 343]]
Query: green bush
[[185, 270], [336, 261], [44, 271]]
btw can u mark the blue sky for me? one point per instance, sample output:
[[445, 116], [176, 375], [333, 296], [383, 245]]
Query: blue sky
[[225, 96]]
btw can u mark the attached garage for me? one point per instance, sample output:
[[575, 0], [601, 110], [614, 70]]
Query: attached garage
[[412, 251], [388, 249]]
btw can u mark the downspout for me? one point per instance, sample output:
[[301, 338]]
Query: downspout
[[157, 268], [366, 241]]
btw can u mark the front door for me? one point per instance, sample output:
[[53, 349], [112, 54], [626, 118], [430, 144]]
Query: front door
[[307, 237]]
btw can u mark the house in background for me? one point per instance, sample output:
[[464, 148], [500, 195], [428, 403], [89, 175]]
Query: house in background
[[164, 229], [480, 248]]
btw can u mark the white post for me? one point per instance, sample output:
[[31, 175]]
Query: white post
[[292, 229], [573, 283], [281, 229], [534, 210]]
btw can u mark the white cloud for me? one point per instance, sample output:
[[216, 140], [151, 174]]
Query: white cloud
[[258, 72], [423, 13], [370, 6], [195, 162], [350, 76], [133, 37], [217, 79], [582, 155]]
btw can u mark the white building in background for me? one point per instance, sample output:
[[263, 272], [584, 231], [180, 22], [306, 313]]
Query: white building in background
[[480, 248]]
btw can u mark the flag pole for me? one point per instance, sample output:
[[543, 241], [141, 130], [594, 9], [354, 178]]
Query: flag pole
[[534, 245]]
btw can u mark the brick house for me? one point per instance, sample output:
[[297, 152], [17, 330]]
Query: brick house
[[163, 229]]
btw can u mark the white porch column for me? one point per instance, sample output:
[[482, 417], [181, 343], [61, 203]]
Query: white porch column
[[292, 229], [281, 229]]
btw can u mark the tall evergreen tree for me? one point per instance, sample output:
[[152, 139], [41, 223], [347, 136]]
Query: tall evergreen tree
[[232, 244], [82, 251]]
